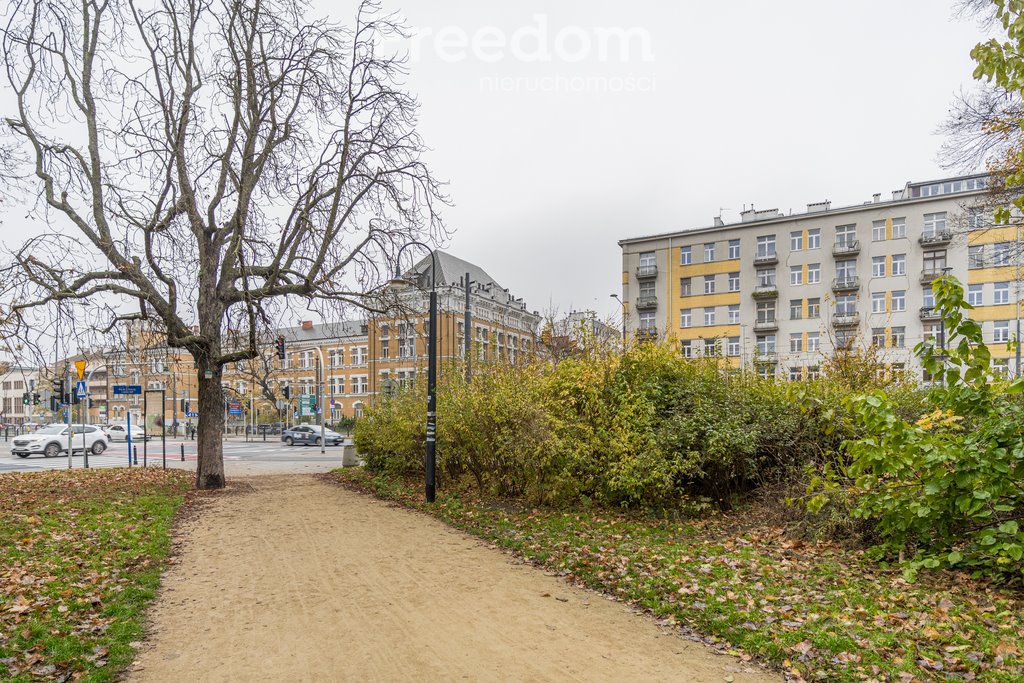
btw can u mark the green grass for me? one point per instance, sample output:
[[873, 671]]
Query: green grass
[[81, 553], [816, 611]]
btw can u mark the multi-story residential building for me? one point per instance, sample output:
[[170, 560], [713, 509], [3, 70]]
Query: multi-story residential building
[[777, 291], [15, 382]]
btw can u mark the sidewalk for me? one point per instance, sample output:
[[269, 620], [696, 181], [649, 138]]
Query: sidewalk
[[290, 578]]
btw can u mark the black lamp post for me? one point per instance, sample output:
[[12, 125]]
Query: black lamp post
[[623, 306], [431, 462]]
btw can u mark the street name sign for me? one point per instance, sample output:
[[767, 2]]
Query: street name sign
[[127, 389]]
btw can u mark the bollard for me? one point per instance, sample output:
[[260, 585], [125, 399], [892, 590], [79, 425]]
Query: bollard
[[135, 454], [183, 452]]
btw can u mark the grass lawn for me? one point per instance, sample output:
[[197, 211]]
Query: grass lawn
[[81, 554], [817, 611]]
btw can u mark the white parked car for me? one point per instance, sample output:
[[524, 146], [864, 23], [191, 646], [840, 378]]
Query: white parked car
[[52, 440], [120, 432]]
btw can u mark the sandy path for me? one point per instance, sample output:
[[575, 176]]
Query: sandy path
[[300, 580]]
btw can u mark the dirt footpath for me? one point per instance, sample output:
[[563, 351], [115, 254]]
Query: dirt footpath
[[295, 579]]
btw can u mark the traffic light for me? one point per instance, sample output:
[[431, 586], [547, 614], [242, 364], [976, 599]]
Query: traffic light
[[24, 399], [280, 347], [184, 405], [61, 391], [35, 399], [287, 390]]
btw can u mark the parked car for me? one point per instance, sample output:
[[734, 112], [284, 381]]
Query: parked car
[[52, 440], [310, 434], [119, 432]]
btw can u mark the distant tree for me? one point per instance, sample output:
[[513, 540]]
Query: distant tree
[[205, 161]]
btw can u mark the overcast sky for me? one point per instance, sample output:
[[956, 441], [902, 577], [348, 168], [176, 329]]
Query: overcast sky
[[560, 137], [772, 103]]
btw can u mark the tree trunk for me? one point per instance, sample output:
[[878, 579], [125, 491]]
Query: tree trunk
[[209, 437]]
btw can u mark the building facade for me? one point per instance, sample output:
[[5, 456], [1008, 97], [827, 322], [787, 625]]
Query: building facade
[[778, 292], [15, 382]]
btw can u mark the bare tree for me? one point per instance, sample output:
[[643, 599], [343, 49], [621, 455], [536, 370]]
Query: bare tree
[[212, 159]]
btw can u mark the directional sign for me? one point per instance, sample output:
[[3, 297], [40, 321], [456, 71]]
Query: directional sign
[[191, 414], [234, 408], [307, 405], [80, 390], [127, 389]]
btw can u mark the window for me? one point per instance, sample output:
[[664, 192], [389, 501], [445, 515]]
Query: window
[[686, 348], [1002, 293], [813, 273], [846, 235], [685, 286], [1001, 331], [898, 337], [846, 270], [796, 241], [734, 282], [685, 256], [846, 304], [766, 371], [877, 266], [407, 340], [796, 342], [975, 295], [1001, 254], [732, 346], [765, 311], [878, 336], [814, 239], [899, 264], [709, 284], [813, 372], [709, 316], [928, 297], [975, 218], [734, 249], [685, 318], [765, 343], [878, 231], [1001, 367], [765, 246], [934, 224], [796, 309], [647, 261], [796, 374], [878, 302], [813, 308], [709, 252], [845, 339], [647, 321], [796, 275], [976, 256], [899, 228], [335, 358], [713, 348], [813, 341], [647, 289], [734, 314], [935, 261], [932, 332], [899, 300], [765, 277]]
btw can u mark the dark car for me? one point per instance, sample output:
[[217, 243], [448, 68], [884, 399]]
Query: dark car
[[310, 434]]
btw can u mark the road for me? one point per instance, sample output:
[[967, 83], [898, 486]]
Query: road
[[240, 457]]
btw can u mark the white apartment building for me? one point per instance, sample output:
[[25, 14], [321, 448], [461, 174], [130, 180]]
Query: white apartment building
[[15, 382], [776, 291]]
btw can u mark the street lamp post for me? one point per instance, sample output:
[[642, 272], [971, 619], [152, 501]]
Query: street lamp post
[[623, 306], [431, 460]]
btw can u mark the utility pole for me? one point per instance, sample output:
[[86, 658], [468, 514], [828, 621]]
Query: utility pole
[[465, 333]]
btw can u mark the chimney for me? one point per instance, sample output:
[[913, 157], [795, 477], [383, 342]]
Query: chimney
[[819, 206], [876, 197], [307, 325], [719, 222], [897, 194]]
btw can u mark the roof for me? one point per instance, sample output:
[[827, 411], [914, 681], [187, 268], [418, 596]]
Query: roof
[[323, 330], [451, 270]]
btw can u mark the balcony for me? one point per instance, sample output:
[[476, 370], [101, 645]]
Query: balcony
[[930, 274], [766, 259], [766, 325], [936, 239], [845, 319], [646, 303], [846, 248], [766, 357], [765, 292], [647, 333], [845, 284], [646, 272], [929, 314]]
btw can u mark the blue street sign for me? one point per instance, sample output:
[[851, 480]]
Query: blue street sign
[[127, 389], [191, 414], [80, 390]]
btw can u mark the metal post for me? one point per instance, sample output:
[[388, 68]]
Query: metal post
[[67, 387], [145, 436], [183, 452], [163, 432], [432, 399], [466, 335], [1018, 299], [129, 435], [320, 395]]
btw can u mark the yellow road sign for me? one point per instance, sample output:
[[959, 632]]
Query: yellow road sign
[[80, 366]]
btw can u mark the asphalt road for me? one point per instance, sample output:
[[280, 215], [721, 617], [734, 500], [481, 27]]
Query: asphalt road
[[240, 457]]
